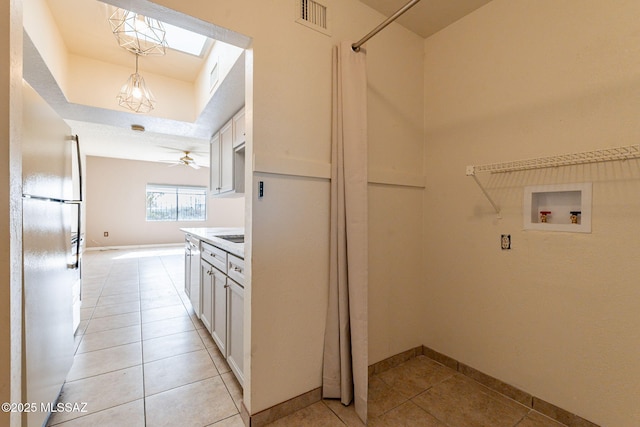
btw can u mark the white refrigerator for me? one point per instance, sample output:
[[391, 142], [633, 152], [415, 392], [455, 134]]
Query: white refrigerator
[[51, 258]]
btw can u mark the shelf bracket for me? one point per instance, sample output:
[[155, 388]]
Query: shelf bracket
[[472, 173]]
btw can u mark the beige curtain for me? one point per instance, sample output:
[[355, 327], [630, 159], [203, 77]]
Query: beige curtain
[[345, 373]]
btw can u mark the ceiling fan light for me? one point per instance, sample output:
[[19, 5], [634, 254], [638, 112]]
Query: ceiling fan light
[[136, 96], [138, 33]]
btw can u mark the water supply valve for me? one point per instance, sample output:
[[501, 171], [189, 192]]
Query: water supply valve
[[574, 216], [544, 215]]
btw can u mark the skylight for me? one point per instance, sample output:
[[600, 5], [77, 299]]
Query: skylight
[[184, 40]]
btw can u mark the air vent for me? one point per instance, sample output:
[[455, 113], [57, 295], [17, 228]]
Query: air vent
[[313, 15]]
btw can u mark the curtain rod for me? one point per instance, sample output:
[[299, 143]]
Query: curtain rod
[[389, 20]]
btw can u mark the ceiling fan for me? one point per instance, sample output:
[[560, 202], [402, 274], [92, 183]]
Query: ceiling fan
[[185, 160]]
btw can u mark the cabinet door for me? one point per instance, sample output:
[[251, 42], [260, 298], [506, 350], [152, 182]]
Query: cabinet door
[[206, 294], [238, 129], [214, 167], [226, 158], [187, 268], [235, 322], [219, 319]]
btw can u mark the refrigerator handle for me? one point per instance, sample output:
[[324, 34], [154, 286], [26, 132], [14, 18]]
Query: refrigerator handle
[[77, 140], [76, 263], [78, 203]]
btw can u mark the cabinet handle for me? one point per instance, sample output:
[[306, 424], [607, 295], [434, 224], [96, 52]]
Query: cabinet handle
[[226, 285]]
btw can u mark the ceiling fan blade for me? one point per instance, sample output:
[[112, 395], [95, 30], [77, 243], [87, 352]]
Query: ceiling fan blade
[[194, 165]]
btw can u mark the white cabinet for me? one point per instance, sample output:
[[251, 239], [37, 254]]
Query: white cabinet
[[206, 293], [219, 326], [235, 325], [192, 272], [221, 294], [227, 158], [222, 178], [239, 132]]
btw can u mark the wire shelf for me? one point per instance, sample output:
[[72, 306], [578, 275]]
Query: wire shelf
[[602, 155]]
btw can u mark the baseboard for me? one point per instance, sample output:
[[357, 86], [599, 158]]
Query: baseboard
[[550, 410], [285, 408], [127, 247]]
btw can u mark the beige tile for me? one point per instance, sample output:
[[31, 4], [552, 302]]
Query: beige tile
[[176, 371], [88, 302], [112, 310], [234, 388], [118, 299], [197, 404], [107, 360], [86, 313], [206, 337], [110, 338], [165, 301], [409, 415], [346, 413], [113, 322], [382, 398], [171, 345], [101, 392], [165, 291], [415, 376], [235, 421], [218, 360], [117, 289], [536, 419], [162, 313], [129, 414], [460, 401], [313, 415], [161, 328]]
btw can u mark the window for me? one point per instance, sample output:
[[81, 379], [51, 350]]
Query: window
[[176, 203]]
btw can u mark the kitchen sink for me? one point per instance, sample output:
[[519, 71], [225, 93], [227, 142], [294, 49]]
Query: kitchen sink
[[234, 238]]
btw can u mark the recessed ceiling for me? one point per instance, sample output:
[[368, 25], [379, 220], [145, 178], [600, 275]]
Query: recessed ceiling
[[85, 30], [84, 27], [112, 136]]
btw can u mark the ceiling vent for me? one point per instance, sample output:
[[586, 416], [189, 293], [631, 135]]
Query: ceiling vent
[[313, 15]]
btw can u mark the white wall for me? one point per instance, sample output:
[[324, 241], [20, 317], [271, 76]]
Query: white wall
[[115, 202], [290, 108], [557, 315], [97, 83]]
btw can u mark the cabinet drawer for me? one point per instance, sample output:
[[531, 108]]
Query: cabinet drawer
[[235, 269], [214, 256]]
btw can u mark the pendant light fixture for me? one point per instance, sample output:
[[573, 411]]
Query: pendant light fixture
[[135, 95], [137, 33]]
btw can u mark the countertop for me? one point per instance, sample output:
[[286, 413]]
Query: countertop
[[208, 234]]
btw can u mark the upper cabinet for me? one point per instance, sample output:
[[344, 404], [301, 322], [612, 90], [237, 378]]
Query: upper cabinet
[[238, 129], [227, 158]]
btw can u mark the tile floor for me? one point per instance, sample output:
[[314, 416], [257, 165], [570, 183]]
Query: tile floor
[[144, 359]]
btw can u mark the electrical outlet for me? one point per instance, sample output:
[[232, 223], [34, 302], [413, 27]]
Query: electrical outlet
[[505, 241], [106, 234]]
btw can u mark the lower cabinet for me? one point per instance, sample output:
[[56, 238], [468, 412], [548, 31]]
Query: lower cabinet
[[206, 291], [235, 324], [219, 326], [192, 272], [222, 303]]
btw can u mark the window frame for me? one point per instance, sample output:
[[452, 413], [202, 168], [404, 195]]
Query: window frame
[[178, 190]]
